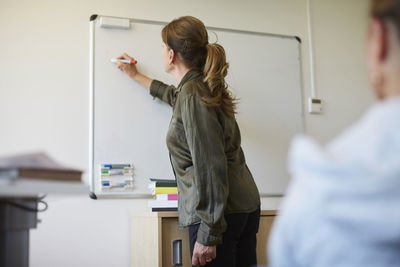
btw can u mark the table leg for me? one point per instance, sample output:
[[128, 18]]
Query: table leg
[[17, 216]]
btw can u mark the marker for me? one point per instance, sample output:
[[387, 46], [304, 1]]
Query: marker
[[112, 172], [116, 166], [126, 61]]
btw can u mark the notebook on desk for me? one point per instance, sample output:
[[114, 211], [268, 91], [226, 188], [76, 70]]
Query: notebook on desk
[[36, 166]]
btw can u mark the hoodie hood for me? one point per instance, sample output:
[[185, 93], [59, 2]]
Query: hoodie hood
[[354, 182]]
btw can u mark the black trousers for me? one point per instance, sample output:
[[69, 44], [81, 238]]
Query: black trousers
[[239, 241]]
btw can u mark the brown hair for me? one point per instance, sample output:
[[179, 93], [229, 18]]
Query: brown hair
[[188, 37], [387, 10]]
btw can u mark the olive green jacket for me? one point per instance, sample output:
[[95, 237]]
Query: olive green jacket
[[204, 144]]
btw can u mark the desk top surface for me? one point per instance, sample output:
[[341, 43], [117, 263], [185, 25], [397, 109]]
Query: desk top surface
[[32, 187], [173, 214]]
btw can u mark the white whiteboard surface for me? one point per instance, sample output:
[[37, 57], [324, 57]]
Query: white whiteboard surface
[[128, 126]]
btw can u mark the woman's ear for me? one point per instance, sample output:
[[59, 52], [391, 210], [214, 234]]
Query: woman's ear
[[172, 56]]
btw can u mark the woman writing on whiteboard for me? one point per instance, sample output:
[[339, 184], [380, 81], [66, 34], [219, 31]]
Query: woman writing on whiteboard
[[218, 198]]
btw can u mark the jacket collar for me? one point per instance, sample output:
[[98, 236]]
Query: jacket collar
[[190, 75]]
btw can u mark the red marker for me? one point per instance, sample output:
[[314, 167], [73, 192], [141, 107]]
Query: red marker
[[126, 61]]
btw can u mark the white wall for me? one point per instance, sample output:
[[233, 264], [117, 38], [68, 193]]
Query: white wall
[[339, 33], [44, 96]]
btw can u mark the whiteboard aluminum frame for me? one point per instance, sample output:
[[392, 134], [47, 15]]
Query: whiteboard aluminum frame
[[91, 108], [93, 20]]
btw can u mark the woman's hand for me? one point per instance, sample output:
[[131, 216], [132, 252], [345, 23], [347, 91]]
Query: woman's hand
[[129, 69], [203, 254]]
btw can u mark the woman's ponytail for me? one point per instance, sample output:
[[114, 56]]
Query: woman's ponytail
[[214, 71]]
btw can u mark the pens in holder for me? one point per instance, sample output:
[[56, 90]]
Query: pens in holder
[[126, 61]]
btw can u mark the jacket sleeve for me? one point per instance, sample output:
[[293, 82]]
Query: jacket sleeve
[[205, 138], [166, 93]]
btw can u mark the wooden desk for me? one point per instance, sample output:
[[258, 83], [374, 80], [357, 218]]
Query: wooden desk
[[153, 232]]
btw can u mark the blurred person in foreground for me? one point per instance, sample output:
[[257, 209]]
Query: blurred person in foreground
[[342, 207]]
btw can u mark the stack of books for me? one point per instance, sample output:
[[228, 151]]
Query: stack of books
[[117, 177], [166, 195]]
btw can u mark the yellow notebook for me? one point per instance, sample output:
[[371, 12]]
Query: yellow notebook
[[165, 190]]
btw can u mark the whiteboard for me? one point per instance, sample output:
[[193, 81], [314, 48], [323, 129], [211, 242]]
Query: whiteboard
[[128, 126]]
